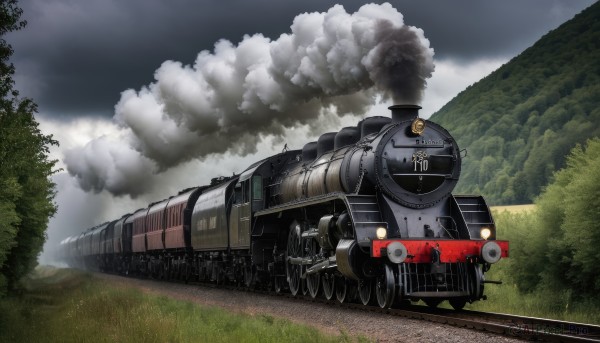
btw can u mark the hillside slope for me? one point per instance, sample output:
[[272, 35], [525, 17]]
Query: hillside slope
[[519, 123]]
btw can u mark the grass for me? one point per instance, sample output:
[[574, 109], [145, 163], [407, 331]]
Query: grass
[[513, 208], [506, 298], [63, 305]]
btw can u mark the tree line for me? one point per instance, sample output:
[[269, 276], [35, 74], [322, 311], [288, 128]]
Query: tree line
[[26, 190]]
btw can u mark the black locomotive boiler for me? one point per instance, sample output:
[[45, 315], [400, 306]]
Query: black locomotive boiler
[[365, 213]]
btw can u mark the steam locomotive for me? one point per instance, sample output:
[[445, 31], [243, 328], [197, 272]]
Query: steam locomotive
[[363, 214]]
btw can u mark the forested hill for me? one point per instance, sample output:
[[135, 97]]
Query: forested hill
[[519, 123]]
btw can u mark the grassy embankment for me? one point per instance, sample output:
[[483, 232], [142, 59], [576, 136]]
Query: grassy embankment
[[61, 305], [511, 221]]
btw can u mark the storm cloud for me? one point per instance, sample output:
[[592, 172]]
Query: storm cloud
[[75, 57]]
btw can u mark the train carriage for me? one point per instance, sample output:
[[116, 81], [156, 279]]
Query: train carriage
[[138, 222], [178, 231], [107, 253], [155, 226], [179, 218], [121, 245]]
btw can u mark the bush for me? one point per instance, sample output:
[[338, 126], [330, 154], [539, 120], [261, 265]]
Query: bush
[[556, 247], [569, 213]]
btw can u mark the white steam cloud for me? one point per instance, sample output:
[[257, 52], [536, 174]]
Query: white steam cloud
[[332, 63]]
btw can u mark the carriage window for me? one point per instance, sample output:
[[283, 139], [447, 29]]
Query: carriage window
[[257, 187], [246, 190]]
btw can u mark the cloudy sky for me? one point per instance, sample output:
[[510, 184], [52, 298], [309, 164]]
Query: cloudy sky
[[87, 63]]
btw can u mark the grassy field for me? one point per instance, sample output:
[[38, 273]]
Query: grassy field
[[61, 305], [513, 208]]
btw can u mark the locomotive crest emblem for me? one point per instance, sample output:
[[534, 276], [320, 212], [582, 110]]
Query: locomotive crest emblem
[[418, 126], [420, 161]]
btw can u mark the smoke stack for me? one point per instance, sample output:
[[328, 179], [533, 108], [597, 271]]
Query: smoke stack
[[404, 112]]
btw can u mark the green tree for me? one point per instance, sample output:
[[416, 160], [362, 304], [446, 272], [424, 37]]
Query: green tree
[[26, 191], [557, 246], [570, 213]]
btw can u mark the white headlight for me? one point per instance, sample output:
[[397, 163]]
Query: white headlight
[[491, 252], [485, 233], [397, 252], [381, 233]]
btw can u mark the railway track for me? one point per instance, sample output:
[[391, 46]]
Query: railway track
[[524, 327], [515, 326], [507, 325]]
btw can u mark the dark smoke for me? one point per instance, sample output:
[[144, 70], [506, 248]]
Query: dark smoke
[[400, 65], [331, 64]]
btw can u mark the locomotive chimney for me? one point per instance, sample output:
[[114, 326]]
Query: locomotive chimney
[[404, 112]]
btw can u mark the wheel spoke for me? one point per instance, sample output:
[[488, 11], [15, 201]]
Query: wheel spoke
[[364, 290], [277, 284], [293, 271], [304, 286], [313, 282], [341, 289], [328, 285], [385, 288]]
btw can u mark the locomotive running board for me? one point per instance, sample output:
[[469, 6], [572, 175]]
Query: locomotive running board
[[302, 203]]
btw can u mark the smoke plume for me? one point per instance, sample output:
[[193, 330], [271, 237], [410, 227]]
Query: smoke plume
[[333, 63]]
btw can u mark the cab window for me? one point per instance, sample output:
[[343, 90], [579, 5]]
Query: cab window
[[257, 187]]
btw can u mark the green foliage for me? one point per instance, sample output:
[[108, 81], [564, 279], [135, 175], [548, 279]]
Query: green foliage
[[68, 306], [554, 249], [569, 212], [554, 262], [9, 218], [26, 192], [525, 289], [520, 122], [10, 15], [526, 245]]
